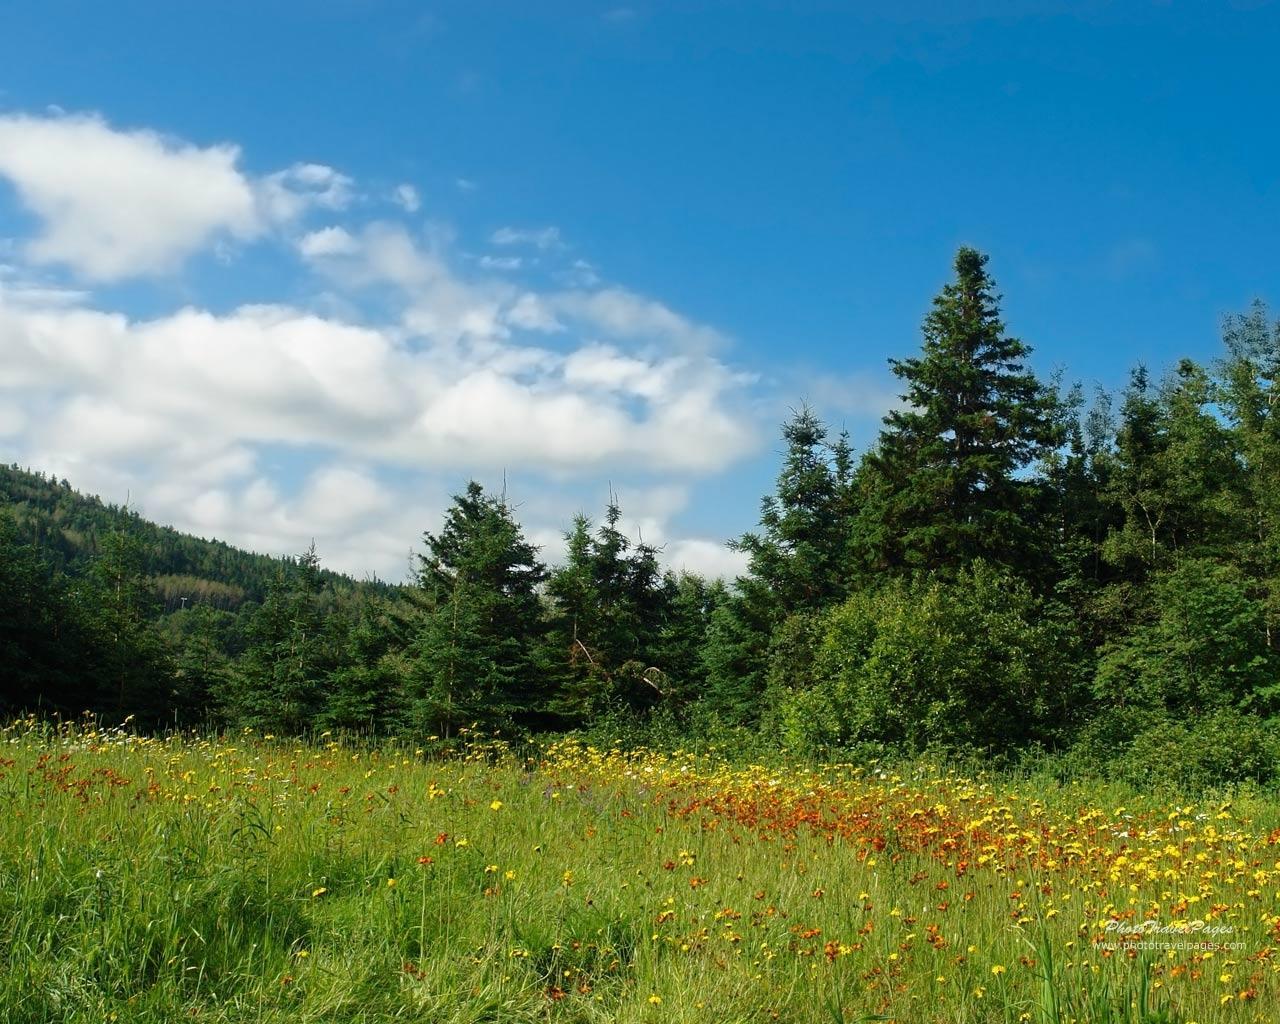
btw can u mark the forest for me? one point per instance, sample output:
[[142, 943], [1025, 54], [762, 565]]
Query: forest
[[1015, 571]]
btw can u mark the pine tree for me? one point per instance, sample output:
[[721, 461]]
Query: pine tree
[[800, 555], [950, 465]]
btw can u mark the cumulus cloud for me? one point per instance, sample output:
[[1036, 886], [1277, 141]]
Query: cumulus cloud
[[114, 203]]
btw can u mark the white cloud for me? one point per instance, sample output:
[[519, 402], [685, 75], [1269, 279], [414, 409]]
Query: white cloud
[[500, 262], [286, 195], [330, 241], [540, 238], [531, 313], [706, 558], [406, 196], [115, 203], [624, 314]]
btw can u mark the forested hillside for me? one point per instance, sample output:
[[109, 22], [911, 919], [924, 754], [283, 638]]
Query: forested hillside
[[70, 529], [1013, 568]]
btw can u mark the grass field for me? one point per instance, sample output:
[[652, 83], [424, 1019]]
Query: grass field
[[250, 879]]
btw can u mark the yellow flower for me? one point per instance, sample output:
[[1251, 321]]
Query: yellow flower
[[655, 999], [317, 893], [496, 805], [391, 883], [997, 969]]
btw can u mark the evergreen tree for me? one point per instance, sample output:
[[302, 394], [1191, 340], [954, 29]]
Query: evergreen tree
[[797, 564], [201, 669], [43, 654], [609, 609], [951, 464], [279, 683], [800, 555], [364, 691], [1173, 477], [475, 653], [132, 666]]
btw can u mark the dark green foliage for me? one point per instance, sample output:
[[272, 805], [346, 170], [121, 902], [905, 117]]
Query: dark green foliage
[[43, 649], [365, 690]]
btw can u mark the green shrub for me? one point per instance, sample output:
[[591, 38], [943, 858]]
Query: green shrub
[[974, 663]]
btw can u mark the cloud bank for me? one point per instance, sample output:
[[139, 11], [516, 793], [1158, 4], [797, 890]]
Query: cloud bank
[[342, 419]]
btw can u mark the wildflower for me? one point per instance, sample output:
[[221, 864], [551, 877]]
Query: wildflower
[[997, 969], [317, 893], [391, 883], [496, 805], [655, 999]]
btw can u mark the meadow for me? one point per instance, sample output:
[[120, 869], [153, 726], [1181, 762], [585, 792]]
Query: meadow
[[249, 878]]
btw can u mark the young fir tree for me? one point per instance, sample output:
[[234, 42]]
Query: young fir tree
[[474, 659], [798, 564], [279, 683], [610, 606], [950, 484]]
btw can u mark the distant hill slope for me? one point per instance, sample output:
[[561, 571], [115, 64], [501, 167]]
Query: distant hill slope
[[68, 527]]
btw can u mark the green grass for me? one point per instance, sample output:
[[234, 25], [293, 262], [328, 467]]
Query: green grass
[[252, 880]]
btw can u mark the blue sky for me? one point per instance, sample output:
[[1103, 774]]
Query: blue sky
[[587, 244]]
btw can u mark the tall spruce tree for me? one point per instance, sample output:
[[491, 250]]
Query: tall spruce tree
[[950, 484]]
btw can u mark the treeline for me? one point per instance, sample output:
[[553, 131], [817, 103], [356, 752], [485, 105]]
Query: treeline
[[1010, 569]]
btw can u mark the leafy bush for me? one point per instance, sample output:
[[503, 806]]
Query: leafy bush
[[1145, 748], [973, 663], [1206, 649]]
